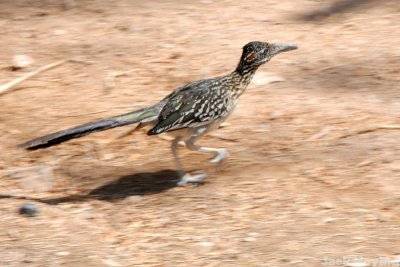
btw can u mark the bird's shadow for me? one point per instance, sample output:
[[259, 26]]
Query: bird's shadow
[[129, 185]]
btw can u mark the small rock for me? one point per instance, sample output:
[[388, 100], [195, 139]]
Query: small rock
[[224, 125], [175, 55], [251, 237], [357, 264], [263, 128], [201, 206], [122, 26], [263, 19], [140, 30], [321, 134], [28, 209], [19, 18], [385, 216], [326, 205], [167, 46], [205, 246], [27, 35], [328, 220], [112, 263], [21, 61], [62, 253], [133, 199], [296, 262], [59, 32], [263, 78]]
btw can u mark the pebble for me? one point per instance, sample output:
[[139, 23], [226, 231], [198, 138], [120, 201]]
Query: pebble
[[327, 205], [111, 263], [357, 264], [28, 209], [167, 46], [62, 253], [263, 78], [133, 199], [251, 237], [206, 244], [59, 32], [21, 61], [328, 220], [263, 19]]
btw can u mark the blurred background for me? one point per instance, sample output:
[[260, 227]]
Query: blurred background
[[313, 176]]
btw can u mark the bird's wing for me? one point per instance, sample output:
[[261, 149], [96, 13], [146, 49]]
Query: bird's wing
[[195, 104]]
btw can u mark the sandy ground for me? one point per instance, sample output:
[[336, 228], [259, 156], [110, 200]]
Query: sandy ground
[[305, 184]]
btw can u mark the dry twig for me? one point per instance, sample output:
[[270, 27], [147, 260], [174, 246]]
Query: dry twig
[[127, 132], [5, 87]]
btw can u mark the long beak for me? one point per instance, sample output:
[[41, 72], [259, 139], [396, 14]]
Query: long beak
[[279, 48]]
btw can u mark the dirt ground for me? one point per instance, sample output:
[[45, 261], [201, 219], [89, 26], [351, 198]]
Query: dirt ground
[[314, 173]]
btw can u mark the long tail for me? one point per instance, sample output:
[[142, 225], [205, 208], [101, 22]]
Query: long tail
[[142, 115]]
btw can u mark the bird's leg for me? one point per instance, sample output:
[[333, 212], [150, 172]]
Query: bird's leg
[[220, 153], [184, 178], [174, 148]]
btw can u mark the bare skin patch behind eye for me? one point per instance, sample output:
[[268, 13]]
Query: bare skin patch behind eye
[[251, 56]]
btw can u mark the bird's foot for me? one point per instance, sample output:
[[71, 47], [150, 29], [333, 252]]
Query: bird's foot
[[192, 179], [221, 155]]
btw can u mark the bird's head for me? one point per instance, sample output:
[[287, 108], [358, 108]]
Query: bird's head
[[257, 53]]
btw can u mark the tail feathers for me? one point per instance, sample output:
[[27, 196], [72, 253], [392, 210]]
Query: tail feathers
[[142, 115]]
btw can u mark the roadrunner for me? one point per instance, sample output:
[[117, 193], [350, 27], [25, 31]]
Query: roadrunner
[[187, 113]]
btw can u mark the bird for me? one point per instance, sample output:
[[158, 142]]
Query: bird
[[187, 113]]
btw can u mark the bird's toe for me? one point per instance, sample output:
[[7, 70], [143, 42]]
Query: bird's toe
[[220, 157], [192, 179]]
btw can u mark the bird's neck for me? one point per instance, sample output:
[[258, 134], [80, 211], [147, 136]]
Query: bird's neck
[[241, 79]]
